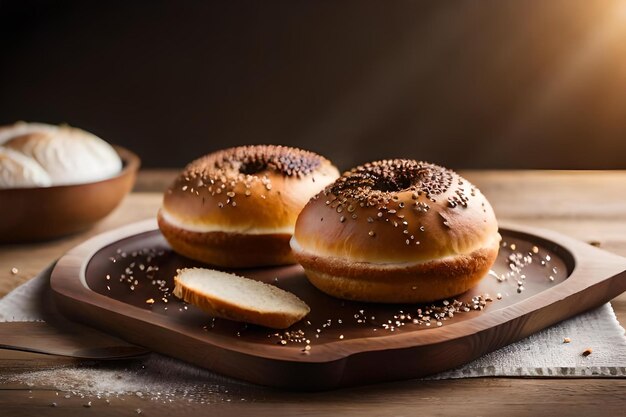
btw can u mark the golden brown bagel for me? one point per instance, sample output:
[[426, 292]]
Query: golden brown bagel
[[397, 231], [238, 207]]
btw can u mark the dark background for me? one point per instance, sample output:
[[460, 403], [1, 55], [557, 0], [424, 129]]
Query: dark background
[[468, 84]]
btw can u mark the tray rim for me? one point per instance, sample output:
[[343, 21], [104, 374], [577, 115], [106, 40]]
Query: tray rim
[[591, 267]]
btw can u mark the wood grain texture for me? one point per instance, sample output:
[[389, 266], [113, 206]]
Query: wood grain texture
[[589, 206], [476, 397], [77, 342]]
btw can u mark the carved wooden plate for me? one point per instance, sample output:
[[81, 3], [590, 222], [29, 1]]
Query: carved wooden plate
[[121, 282]]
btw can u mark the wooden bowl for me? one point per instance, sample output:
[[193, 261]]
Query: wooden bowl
[[34, 214]]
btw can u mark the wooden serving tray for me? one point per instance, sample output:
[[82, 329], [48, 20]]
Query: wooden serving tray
[[121, 282]]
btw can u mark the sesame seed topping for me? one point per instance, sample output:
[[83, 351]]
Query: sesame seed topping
[[251, 160], [380, 180], [223, 171]]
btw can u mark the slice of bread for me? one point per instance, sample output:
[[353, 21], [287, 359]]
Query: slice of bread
[[240, 299]]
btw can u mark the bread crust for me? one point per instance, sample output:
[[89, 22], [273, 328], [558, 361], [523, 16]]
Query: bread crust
[[238, 207], [230, 250], [398, 283], [388, 226], [232, 311]]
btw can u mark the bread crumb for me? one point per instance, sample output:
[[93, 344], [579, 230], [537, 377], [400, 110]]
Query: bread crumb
[[567, 340], [587, 352]]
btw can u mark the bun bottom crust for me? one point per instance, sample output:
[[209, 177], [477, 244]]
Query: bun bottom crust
[[229, 250], [410, 283]]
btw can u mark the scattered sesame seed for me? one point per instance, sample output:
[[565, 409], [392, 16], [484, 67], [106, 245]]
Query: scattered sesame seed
[[567, 340], [14, 271], [587, 352]]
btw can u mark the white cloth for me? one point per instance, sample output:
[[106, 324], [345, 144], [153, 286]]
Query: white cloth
[[541, 355]]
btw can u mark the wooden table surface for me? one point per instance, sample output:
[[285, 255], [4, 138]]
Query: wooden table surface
[[590, 206]]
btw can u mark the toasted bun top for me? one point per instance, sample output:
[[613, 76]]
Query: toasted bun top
[[396, 211], [247, 189]]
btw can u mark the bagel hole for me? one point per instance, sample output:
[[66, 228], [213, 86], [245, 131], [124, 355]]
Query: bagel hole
[[392, 184], [252, 167]]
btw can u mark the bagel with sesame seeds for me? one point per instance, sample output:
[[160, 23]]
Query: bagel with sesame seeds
[[397, 231], [237, 207]]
